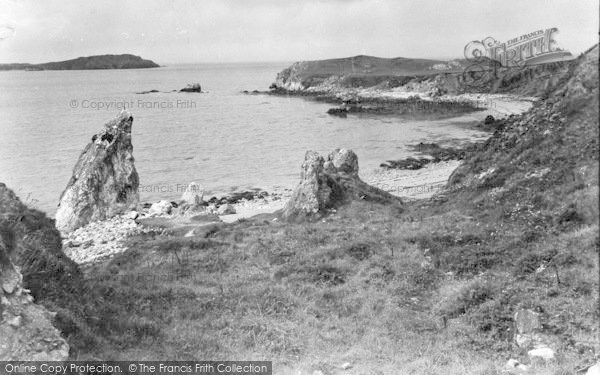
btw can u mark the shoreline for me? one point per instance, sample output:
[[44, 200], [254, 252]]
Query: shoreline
[[101, 240]]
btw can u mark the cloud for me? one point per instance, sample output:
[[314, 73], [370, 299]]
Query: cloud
[[239, 30], [7, 31]]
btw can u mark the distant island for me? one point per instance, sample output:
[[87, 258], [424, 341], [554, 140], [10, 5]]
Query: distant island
[[125, 61]]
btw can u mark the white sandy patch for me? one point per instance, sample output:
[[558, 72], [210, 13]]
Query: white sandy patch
[[248, 209], [413, 184], [497, 105]]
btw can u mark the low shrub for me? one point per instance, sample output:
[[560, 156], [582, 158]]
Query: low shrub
[[457, 297]]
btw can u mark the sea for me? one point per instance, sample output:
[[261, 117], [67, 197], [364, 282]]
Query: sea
[[222, 139]]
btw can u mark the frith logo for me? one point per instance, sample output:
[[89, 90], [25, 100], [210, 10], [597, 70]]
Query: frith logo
[[487, 56], [533, 48]]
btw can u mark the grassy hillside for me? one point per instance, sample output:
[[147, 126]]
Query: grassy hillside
[[374, 65], [364, 70], [449, 77], [429, 289]]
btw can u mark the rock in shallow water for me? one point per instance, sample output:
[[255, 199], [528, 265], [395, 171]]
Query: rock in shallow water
[[104, 181]]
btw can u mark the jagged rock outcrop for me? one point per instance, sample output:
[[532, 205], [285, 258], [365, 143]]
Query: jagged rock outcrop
[[105, 181], [330, 183], [26, 332]]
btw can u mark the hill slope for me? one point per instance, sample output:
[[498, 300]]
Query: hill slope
[[330, 77], [433, 288], [87, 63], [311, 73]]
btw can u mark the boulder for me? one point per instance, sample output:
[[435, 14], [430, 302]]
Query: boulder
[[515, 367], [160, 208], [25, 328], [329, 183], [344, 161], [527, 328], [527, 321], [104, 181], [594, 370], [544, 353], [193, 194], [226, 209]]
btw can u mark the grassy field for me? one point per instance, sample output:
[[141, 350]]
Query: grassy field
[[384, 290]]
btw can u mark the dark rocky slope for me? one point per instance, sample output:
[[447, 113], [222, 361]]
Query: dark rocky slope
[[548, 155], [29, 239], [36, 247], [26, 331]]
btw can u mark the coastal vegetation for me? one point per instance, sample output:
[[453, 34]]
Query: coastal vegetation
[[425, 287]]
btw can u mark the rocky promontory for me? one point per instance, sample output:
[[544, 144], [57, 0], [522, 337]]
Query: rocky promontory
[[104, 181], [433, 89], [358, 71]]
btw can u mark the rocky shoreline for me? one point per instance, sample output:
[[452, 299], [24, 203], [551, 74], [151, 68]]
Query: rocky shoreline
[[502, 257], [103, 224], [101, 240], [416, 102], [408, 179]]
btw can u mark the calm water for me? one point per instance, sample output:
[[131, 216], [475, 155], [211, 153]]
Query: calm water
[[222, 139]]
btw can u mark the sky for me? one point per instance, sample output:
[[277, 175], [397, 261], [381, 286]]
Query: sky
[[193, 31]]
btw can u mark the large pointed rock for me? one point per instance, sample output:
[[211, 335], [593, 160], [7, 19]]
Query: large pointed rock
[[330, 182], [104, 182]]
